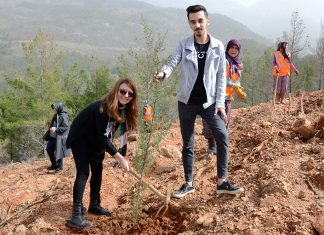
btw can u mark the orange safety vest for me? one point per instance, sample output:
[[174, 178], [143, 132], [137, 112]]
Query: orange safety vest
[[234, 78], [148, 113], [283, 64]]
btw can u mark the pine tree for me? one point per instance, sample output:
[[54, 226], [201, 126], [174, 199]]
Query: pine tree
[[25, 108], [140, 66]]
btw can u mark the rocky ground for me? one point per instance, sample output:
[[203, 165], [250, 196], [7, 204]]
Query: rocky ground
[[282, 174]]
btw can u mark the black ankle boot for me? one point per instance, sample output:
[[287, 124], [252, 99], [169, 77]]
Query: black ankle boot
[[95, 208], [77, 220]]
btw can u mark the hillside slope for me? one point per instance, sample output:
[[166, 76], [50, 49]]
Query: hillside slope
[[107, 28], [283, 177]]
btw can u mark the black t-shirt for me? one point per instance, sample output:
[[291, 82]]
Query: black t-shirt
[[198, 93]]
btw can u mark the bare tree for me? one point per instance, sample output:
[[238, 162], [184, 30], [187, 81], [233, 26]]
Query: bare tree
[[320, 56], [297, 38]]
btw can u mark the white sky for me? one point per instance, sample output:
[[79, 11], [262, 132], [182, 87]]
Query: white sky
[[246, 3], [271, 18]]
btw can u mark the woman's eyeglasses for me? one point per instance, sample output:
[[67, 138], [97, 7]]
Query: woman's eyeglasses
[[124, 92]]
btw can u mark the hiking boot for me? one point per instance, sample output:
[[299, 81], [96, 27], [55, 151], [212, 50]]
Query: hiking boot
[[227, 187], [183, 191], [96, 208], [77, 220]]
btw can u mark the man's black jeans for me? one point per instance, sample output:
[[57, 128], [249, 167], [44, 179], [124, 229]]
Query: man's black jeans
[[187, 116]]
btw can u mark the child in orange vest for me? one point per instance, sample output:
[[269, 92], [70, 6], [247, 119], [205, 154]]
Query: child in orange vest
[[147, 113], [281, 71], [233, 75]]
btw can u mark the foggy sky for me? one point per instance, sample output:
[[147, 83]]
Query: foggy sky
[[270, 18]]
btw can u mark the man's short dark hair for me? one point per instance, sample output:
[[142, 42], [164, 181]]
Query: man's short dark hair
[[196, 8]]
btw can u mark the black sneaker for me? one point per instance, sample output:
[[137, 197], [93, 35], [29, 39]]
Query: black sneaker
[[183, 191], [228, 188], [51, 168], [58, 169]]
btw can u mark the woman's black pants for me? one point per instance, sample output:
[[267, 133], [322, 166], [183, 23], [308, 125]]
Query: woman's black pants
[[85, 160]]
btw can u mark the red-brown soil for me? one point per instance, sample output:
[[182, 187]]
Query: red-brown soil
[[282, 175]]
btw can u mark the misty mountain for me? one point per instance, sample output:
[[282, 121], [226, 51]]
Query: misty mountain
[[107, 28], [276, 15], [267, 18]]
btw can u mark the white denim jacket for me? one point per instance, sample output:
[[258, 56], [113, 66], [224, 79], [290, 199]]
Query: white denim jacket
[[214, 74]]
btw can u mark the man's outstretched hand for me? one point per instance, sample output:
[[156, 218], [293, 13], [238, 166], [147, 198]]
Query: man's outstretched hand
[[158, 76]]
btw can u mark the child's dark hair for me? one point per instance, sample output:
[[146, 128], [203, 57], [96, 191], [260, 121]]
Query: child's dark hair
[[196, 8]]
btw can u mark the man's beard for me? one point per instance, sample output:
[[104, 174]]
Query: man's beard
[[198, 32]]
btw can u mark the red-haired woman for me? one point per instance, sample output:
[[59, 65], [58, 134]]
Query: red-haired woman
[[91, 134]]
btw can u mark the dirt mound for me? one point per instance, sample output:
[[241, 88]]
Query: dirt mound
[[281, 172]]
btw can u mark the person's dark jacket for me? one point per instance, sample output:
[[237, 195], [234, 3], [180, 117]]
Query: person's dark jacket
[[96, 130], [61, 121]]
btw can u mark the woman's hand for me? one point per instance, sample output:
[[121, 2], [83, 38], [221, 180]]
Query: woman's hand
[[53, 129], [277, 69], [123, 162]]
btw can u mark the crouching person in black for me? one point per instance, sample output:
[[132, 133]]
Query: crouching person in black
[[91, 134]]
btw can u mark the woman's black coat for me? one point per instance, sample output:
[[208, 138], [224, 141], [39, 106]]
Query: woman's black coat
[[95, 129]]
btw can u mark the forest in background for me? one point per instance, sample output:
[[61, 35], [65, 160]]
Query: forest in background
[[48, 73], [102, 28]]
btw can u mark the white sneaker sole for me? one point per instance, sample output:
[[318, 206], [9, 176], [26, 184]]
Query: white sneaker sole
[[182, 195], [237, 191]]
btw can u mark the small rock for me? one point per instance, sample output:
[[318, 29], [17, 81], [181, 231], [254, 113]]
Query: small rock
[[241, 226], [301, 195], [270, 222], [244, 199], [187, 233], [253, 232], [268, 201], [318, 224], [20, 230], [146, 208], [257, 222], [170, 151], [206, 219], [266, 124], [132, 137], [275, 208]]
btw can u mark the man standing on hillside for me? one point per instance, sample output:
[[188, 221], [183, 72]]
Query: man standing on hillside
[[201, 92]]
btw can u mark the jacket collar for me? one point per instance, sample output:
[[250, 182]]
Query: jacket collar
[[190, 44]]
